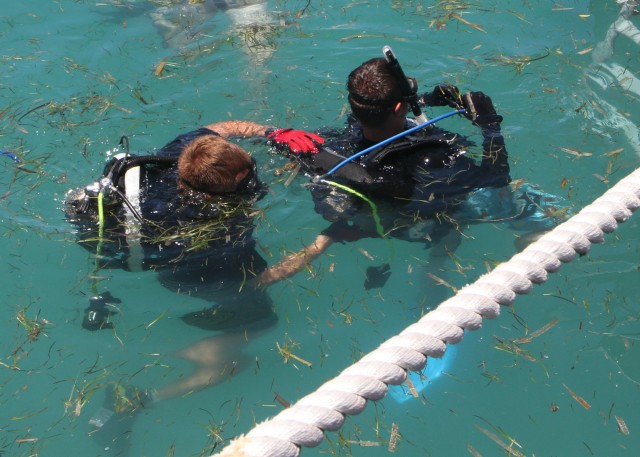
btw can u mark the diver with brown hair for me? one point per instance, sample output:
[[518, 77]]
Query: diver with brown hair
[[186, 213]]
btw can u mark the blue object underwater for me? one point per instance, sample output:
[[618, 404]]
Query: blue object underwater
[[10, 155], [421, 379]]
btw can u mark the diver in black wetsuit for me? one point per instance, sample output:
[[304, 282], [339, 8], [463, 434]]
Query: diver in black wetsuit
[[410, 181], [418, 175], [185, 213]]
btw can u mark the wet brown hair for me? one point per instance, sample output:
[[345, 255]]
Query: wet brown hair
[[373, 91], [210, 164]]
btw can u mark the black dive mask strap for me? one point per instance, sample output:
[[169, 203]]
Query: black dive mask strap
[[250, 182]]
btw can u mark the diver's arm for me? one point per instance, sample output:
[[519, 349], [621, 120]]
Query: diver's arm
[[494, 151], [479, 109], [245, 129], [293, 263], [287, 140]]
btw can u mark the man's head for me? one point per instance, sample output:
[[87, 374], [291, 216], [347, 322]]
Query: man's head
[[212, 165], [374, 93]]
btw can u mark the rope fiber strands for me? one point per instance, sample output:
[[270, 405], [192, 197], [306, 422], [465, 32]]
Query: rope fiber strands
[[304, 423]]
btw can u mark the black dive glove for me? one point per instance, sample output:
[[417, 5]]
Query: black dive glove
[[96, 316], [443, 95], [479, 110]]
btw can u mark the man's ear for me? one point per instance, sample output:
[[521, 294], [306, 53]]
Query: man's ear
[[240, 176], [399, 108]]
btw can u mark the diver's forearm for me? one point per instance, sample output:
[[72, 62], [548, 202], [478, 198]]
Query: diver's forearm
[[494, 154], [227, 129], [293, 263]]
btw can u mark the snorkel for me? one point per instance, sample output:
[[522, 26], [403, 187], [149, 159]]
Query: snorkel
[[409, 93]]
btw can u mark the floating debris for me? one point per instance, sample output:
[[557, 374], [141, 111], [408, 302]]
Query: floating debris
[[34, 327], [473, 451], [615, 152], [159, 69], [470, 24], [622, 425], [575, 152], [507, 447], [393, 440], [518, 62], [27, 440], [578, 398], [157, 319], [412, 388], [287, 354], [442, 282], [367, 35], [282, 401], [364, 443], [537, 333], [365, 253], [10, 155], [293, 174]]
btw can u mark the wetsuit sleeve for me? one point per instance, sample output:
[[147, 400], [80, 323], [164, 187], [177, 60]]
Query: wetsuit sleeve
[[495, 157], [479, 109]]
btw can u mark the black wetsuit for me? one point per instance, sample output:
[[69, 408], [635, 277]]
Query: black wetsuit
[[408, 181], [199, 247]]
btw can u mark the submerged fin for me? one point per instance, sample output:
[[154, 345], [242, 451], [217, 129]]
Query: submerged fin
[[377, 276]]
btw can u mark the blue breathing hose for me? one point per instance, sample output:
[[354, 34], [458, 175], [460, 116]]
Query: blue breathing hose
[[387, 141]]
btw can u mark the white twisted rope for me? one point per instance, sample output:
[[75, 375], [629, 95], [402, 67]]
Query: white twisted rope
[[304, 423]]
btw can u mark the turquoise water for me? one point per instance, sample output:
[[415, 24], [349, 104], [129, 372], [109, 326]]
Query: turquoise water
[[78, 75]]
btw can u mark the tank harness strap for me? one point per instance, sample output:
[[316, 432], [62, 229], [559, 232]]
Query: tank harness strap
[[132, 224], [132, 187]]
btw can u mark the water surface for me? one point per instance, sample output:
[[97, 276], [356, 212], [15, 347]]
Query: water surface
[[78, 75]]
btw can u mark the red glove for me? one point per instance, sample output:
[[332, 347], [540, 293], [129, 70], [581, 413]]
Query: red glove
[[296, 140]]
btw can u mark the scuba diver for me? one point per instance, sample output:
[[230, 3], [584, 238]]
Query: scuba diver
[[409, 181], [418, 175], [184, 212], [387, 175]]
